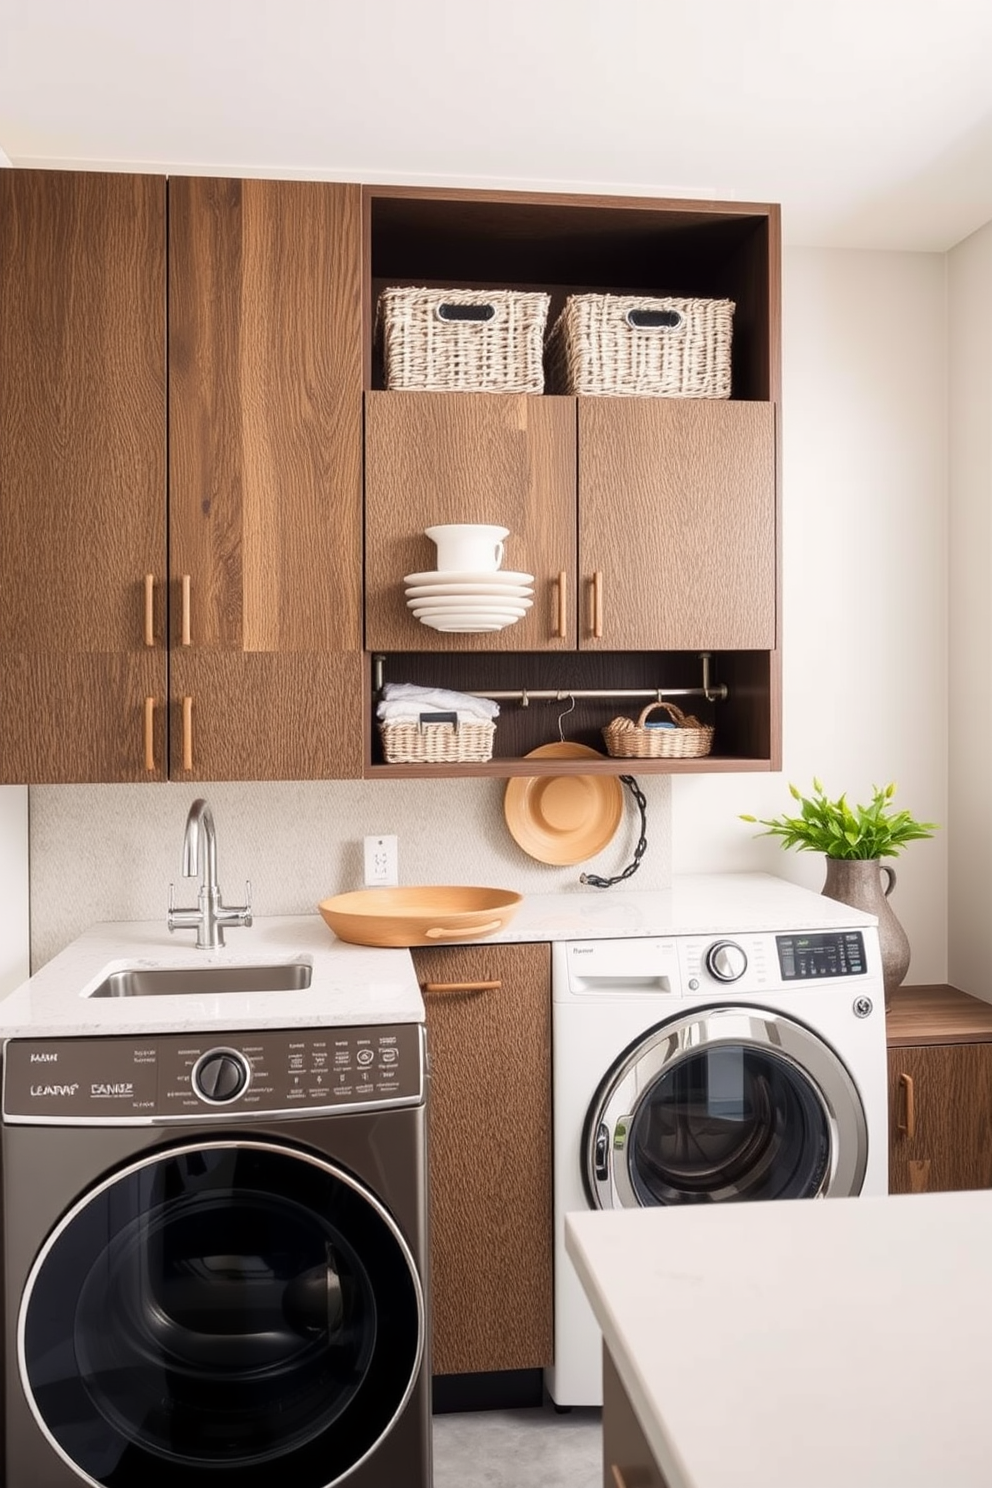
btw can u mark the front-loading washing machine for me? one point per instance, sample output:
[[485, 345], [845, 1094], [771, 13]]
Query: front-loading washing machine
[[215, 1259], [698, 1069]]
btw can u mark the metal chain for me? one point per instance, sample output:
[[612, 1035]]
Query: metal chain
[[593, 879]]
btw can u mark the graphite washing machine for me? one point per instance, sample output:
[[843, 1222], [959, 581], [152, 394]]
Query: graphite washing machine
[[215, 1260], [702, 1069]]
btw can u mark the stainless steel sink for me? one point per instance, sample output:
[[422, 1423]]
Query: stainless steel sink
[[204, 981]]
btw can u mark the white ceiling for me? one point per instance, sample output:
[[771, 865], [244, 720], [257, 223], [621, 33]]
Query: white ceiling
[[869, 120]]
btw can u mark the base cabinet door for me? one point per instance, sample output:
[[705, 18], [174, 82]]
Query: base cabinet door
[[628, 1461], [940, 1117], [489, 1042]]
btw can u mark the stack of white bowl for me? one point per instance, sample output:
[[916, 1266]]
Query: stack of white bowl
[[468, 591]]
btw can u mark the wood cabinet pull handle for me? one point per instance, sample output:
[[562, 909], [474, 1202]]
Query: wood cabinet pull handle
[[149, 733], [908, 1125], [443, 989], [597, 605], [619, 1481], [185, 630], [187, 733], [149, 609], [562, 628], [450, 932]]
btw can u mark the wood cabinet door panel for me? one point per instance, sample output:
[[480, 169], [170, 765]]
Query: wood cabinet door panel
[[677, 515], [265, 469], [498, 458], [82, 468], [489, 1040], [288, 716], [940, 1115], [81, 717]]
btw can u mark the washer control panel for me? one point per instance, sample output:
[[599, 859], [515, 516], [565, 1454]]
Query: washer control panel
[[833, 953], [163, 1077]]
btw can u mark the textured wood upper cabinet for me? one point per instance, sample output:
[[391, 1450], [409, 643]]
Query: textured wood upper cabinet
[[663, 508], [501, 459], [676, 524], [251, 641], [82, 477], [489, 1040], [265, 461]]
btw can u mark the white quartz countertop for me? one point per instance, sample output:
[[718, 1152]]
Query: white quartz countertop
[[801, 1345], [350, 984], [695, 904], [358, 984]]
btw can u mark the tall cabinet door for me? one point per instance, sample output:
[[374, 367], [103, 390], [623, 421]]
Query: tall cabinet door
[[82, 477], [489, 1041], [503, 459], [265, 458], [676, 524]]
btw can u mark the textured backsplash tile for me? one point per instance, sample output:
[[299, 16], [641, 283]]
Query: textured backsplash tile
[[109, 852]]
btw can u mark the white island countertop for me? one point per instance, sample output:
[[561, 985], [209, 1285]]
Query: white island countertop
[[843, 1343], [349, 984]]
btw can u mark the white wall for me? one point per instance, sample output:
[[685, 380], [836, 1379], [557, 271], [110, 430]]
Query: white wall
[[970, 612], [865, 591], [865, 603]]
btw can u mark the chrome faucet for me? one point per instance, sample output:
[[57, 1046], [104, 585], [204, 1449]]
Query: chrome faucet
[[211, 914]]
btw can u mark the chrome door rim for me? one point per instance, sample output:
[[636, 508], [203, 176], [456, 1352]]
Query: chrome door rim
[[206, 1144], [662, 1048]]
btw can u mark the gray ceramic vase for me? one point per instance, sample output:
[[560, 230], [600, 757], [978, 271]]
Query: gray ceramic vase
[[858, 882]]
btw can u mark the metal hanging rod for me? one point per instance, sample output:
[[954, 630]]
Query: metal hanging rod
[[527, 695], [712, 692]]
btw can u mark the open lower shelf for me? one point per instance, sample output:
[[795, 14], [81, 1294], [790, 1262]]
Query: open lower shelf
[[578, 695]]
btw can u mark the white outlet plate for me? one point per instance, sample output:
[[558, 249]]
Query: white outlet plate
[[381, 862]]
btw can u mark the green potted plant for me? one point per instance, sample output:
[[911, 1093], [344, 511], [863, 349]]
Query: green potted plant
[[854, 840]]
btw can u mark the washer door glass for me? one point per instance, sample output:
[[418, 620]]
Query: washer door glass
[[223, 1306], [729, 1104]]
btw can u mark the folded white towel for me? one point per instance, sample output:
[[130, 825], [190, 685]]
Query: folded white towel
[[419, 700], [403, 714]]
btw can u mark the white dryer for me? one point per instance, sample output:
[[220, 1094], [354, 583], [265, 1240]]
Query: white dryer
[[710, 1068]]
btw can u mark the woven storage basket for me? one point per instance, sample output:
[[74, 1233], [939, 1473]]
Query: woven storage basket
[[436, 743], [689, 739], [619, 345], [463, 340]]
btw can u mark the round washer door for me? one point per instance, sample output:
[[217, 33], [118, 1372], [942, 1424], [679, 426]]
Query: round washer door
[[222, 1311], [727, 1103]]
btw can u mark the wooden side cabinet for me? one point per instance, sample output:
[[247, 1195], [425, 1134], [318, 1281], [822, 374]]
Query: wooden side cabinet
[[489, 1043], [940, 1091]]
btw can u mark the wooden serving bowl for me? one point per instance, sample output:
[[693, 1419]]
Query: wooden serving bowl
[[418, 916]]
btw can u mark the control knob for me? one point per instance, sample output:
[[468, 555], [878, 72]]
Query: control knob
[[220, 1076], [726, 960]]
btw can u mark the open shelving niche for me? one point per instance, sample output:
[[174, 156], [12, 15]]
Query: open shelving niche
[[574, 244]]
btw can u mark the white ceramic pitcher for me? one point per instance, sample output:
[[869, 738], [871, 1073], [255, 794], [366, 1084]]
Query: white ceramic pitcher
[[469, 547]]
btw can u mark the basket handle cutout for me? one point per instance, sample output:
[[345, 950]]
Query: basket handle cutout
[[654, 320], [449, 311]]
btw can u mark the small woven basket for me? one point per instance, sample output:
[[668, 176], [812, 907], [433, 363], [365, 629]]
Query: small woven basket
[[436, 743], [689, 739], [634, 346], [463, 340]]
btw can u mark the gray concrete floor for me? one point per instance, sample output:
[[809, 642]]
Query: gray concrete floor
[[519, 1448]]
